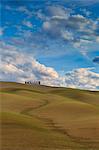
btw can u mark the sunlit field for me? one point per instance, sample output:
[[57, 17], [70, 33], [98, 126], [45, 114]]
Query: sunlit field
[[45, 118]]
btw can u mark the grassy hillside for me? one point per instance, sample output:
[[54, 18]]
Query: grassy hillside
[[47, 118]]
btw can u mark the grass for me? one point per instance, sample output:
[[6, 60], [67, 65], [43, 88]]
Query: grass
[[48, 118]]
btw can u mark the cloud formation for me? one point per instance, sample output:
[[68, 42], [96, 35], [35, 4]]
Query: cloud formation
[[19, 67], [22, 67], [54, 22], [28, 24], [83, 78], [61, 23], [50, 30]]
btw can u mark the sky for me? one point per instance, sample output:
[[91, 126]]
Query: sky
[[56, 42]]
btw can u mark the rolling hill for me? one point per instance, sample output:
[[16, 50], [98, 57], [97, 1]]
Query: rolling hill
[[48, 118]]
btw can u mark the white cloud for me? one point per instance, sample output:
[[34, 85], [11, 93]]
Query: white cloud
[[42, 69], [82, 78], [58, 11], [23, 9], [67, 35], [97, 39], [16, 66], [70, 28], [46, 25], [28, 24], [10, 68]]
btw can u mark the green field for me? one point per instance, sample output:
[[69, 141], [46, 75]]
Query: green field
[[46, 118]]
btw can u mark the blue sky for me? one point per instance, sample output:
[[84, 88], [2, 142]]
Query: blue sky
[[61, 35]]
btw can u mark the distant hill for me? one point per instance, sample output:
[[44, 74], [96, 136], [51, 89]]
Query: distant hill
[[36, 117]]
